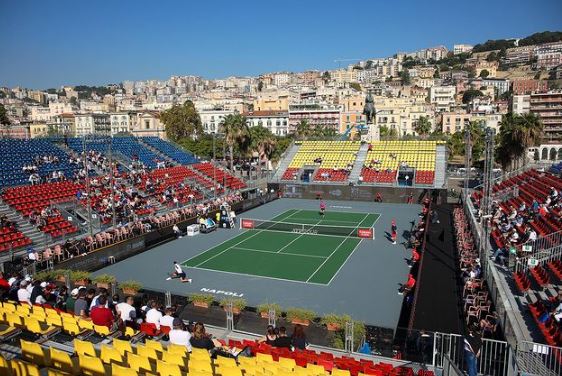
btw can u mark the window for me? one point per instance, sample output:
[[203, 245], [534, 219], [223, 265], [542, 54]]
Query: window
[[147, 124]]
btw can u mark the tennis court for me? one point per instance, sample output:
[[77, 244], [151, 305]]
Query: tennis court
[[297, 245]]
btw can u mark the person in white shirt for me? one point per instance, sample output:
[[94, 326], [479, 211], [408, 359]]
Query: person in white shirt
[[125, 310], [40, 299], [178, 336], [23, 294], [153, 315], [177, 231], [167, 319], [179, 273]]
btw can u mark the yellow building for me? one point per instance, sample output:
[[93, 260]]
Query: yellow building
[[352, 112], [38, 129], [271, 102]]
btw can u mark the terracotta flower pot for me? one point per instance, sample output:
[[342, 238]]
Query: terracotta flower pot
[[264, 315], [235, 311], [104, 285], [61, 278], [332, 326], [130, 291], [201, 304], [299, 321]]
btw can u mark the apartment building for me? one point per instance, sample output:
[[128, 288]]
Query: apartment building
[[443, 97], [95, 123], [277, 122], [316, 114], [211, 119], [548, 106], [462, 48], [529, 86]]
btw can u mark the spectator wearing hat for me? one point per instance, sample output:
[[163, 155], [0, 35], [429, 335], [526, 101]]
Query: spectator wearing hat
[[179, 336], [71, 300], [81, 305]]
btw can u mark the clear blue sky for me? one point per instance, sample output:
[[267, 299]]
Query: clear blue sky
[[50, 43]]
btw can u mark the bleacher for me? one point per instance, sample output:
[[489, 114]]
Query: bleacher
[[334, 159], [170, 150], [223, 177], [385, 158], [173, 177], [33, 198], [18, 153], [49, 341], [10, 238]]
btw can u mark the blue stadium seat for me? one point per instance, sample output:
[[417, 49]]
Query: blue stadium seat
[[170, 150]]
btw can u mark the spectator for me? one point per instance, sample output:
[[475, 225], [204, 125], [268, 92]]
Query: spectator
[[153, 315], [472, 344], [298, 339], [282, 340], [270, 335], [200, 339], [167, 319], [71, 301], [24, 295], [100, 314], [408, 286], [81, 304], [179, 336], [127, 313]]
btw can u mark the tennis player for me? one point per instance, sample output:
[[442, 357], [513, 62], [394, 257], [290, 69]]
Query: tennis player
[[393, 231], [322, 207], [179, 273]]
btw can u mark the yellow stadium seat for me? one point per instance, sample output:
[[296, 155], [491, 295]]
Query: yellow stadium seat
[[139, 363], [222, 361], [85, 324], [62, 361], [54, 321], [34, 353], [200, 354], [174, 358], [23, 308], [168, 369], [91, 366], [56, 372], [177, 349], [84, 348], [71, 328], [156, 345], [117, 370], [36, 327], [199, 365], [229, 371], [102, 330], [9, 307], [122, 346], [340, 372], [148, 352], [4, 367], [21, 368], [110, 355], [130, 332]]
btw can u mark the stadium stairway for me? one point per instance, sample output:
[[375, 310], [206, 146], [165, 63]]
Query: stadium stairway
[[440, 166], [37, 237], [158, 152], [286, 161], [359, 162]]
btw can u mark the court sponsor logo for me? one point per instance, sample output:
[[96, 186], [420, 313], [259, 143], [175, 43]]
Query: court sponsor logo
[[304, 231], [340, 207], [222, 292]]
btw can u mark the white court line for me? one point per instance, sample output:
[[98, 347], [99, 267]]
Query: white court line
[[221, 243], [259, 276], [284, 253], [298, 237], [338, 247], [349, 256]]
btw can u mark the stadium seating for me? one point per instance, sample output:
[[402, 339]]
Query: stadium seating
[[334, 158], [117, 356], [385, 158], [173, 177], [19, 153], [170, 150], [11, 238], [27, 199], [222, 177]]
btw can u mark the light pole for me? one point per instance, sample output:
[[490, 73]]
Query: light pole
[[214, 168], [88, 198]]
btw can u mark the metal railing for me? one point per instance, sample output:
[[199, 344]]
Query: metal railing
[[536, 359]]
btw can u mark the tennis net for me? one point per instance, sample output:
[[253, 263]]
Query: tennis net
[[302, 228]]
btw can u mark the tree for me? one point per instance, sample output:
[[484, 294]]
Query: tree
[[260, 85], [369, 64], [484, 73], [388, 134], [326, 76], [423, 126], [470, 94], [517, 134], [355, 86], [235, 131], [303, 130], [3, 115], [405, 77], [73, 101], [492, 56], [263, 142], [457, 144], [182, 122]]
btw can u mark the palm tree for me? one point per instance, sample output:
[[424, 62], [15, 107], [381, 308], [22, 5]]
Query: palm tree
[[303, 130], [423, 127], [235, 131], [517, 134], [263, 142]]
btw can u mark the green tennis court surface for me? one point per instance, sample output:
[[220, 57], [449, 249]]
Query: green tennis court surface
[[302, 257]]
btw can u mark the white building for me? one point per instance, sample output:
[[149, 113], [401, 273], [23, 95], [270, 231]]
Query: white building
[[92, 124], [276, 121], [211, 119], [121, 122], [521, 104], [281, 79], [39, 113], [443, 97], [462, 48]]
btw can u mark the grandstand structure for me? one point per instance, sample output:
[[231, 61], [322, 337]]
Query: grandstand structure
[[418, 164]]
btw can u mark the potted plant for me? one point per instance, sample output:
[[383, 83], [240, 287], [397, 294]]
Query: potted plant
[[130, 287], [238, 304], [80, 278], [263, 309], [202, 300], [300, 316], [104, 280], [60, 275], [335, 322], [45, 275]]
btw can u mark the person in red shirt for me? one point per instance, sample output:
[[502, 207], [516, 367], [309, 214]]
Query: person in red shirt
[[409, 285], [101, 315], [415, 257]]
